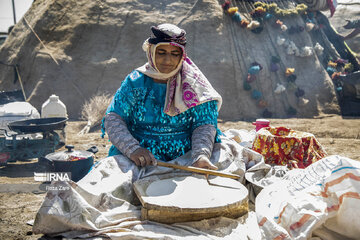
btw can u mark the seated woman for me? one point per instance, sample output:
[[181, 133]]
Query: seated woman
[[165, 110], [166, 107]]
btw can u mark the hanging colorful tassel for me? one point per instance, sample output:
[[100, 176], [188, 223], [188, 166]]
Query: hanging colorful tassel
[[303, 101], [226, 5], [246, 86], [279, 88], [335, 75], [332, 64], [253, 24], [309, 26], [262, 103], [258, 12], [330, 70], [250, 78], [267, 113], [278, 23], [254, 70], [283, 28], [257, 64], [291, 78], [289, 71], [349, 68], [232, 10], [299, 92], [236, 17], [255, 94], [341, 61], [268, 16], [244, 23], [274, 67]]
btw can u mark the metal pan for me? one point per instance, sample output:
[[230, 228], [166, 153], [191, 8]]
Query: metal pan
[[38, 125]]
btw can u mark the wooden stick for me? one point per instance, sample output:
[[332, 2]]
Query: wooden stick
[[198, 170], [20, 81]]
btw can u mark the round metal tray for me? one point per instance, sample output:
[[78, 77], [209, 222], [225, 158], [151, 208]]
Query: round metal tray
[[38, 125]]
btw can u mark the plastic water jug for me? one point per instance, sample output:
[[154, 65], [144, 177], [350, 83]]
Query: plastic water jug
[[53, 107]]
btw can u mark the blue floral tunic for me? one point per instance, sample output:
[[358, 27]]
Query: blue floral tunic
[[140, 102]]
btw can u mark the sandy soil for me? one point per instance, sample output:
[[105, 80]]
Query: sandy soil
[[21, 196]]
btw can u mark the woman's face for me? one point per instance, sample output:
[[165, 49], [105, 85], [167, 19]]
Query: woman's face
[[167, 57]]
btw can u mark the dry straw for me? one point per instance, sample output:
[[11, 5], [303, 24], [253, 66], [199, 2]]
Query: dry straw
[[94, 110]]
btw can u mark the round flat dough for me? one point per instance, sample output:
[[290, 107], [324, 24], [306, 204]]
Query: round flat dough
[[195, 192]]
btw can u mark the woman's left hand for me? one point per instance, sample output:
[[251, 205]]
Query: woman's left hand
[[204, 162]]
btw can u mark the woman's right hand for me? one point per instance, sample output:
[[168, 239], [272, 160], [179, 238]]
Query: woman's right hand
[[143, 157]]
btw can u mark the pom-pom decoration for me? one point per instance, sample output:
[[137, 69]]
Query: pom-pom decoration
[[244, 23], [274, 67], [268, 16], [335, 75], [246, 86], [332, 64], [303, 101], [348, 68], [236, 17], [279, 88], [232, 10], [250, 78], [254, 70], [255, 94], [253, 24], [226, 5], [289, 71], [330, 70], [291, 78], [258, 12], [309, 26], [262, 103]]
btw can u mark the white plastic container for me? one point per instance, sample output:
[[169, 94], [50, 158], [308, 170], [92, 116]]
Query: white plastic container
[[53, 107]]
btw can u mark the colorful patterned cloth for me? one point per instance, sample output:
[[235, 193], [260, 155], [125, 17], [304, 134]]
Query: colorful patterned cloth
[[279, 145]]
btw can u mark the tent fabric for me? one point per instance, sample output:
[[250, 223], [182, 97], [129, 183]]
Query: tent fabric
[[324, 197]]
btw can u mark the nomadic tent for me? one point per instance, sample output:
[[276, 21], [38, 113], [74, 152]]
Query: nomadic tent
[[77, 49]]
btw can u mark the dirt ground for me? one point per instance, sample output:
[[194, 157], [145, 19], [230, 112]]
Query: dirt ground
[[21, 196]]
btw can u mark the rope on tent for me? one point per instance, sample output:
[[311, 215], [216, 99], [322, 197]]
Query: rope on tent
[[40, 41], [57, 63]]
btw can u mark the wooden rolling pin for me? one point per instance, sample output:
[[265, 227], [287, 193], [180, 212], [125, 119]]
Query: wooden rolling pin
[[198, 170]]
